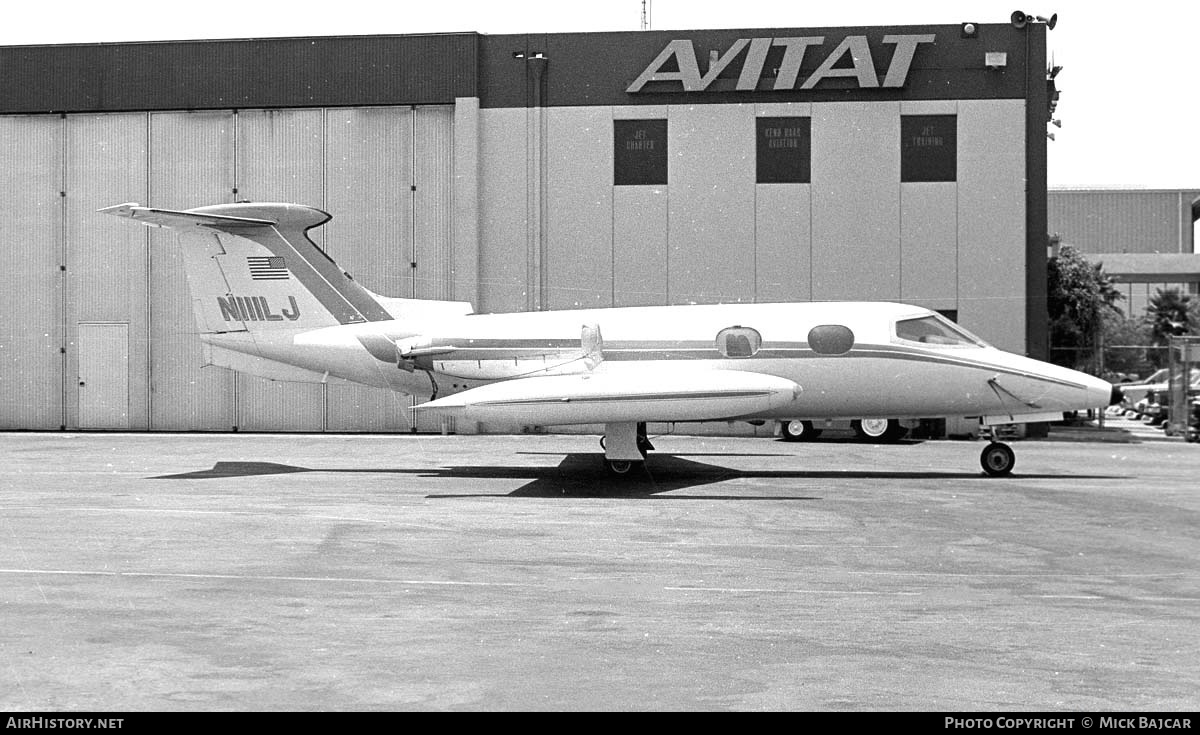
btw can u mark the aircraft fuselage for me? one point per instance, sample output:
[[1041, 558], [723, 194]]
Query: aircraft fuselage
[[855, 365]]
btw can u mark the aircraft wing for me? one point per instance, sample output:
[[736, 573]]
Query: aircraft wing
[[174, 218], [628, 395]]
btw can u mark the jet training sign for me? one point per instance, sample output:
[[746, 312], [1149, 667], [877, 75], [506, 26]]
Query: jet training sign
[[852, 58]]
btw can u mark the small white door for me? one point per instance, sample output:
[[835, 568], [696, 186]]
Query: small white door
[[104, 376]]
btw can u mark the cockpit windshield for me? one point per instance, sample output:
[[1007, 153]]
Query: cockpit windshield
[[936, 329]]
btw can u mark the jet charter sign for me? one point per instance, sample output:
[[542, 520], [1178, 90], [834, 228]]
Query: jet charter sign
[[853, 58]]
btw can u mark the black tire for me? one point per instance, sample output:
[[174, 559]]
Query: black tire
[[798, 431], [622, 467], [878, 430], [997, 459]]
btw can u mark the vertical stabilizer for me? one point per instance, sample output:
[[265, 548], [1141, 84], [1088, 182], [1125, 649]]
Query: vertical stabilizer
[[252, 268]]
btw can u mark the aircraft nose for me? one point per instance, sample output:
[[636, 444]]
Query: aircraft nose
[[1117, 396]]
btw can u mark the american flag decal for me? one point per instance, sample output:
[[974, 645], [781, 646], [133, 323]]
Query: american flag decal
[[268, 268]]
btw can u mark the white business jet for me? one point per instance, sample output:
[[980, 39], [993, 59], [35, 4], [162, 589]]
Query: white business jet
[[269, 302]]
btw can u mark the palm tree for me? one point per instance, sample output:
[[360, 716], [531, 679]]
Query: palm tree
[[1167, 313], [1106, 290]]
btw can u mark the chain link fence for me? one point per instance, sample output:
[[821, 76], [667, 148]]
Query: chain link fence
[[1115, 363]]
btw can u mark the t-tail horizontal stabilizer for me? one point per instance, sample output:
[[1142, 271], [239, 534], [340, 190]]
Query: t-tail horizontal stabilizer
[[172, 218]]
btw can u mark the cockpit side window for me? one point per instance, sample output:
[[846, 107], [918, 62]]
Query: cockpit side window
[[738, 342], [936, 330]]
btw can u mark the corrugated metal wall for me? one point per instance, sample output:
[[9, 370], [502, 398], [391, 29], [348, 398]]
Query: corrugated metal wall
[[356, 163], [106, 163], [1123, 221], [191, 161], [31, 364], [433, 222], [368, 169], [280, 157]]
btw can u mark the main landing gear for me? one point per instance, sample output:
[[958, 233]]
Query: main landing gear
[[625, 447], [798, 431], [878, 430]]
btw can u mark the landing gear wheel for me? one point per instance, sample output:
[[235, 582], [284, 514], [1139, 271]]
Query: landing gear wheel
[[879, 430], [798, 431], [621, 467], [997, 459]]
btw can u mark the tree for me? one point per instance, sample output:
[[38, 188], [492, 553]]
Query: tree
[[1169, 313], [1125, 341], [1079, 294]]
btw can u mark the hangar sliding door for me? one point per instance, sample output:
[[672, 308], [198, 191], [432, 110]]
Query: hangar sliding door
[[433, 206], [279, 159], [106, 278], [31, 338], [191, 156], [369, 179], [432, 213], [389, 184]]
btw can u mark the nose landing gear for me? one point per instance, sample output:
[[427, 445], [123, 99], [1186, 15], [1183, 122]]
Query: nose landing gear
[[997, 459]]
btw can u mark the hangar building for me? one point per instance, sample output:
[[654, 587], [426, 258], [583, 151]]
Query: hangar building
[[1144, 238], [518, 172]]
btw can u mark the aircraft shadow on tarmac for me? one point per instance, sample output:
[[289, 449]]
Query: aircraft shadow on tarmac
[[584, 476]]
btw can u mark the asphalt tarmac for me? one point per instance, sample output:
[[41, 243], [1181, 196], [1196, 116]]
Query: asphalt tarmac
[[279, 572]]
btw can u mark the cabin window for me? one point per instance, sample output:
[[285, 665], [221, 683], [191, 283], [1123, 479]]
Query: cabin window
[[830, 339], [935, 330], [738, 342]]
